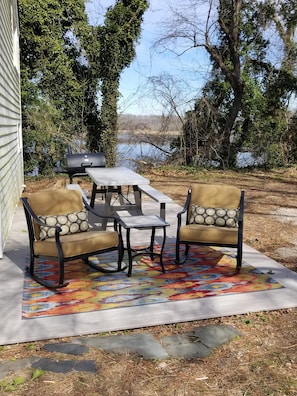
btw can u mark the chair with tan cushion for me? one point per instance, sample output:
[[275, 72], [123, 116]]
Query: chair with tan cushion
[[213, 216], [58, 226]]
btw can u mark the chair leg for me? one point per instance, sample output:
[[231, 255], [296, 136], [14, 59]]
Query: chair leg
[[177, 247], [31, 263], [44, 283], [61, 270], [239, 258], [120, 254], [177, 253], [151, 247], [187, 248]]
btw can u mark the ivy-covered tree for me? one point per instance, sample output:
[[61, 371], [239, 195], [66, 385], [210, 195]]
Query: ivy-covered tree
[[54, 78], [66, 65], [117, 37]]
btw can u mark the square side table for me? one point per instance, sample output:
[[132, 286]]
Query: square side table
[[143, 222]]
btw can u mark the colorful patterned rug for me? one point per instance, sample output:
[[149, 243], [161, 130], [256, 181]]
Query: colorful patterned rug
[[207, 272]]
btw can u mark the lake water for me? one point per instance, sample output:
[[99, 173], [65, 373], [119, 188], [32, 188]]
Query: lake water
[[128, 154]]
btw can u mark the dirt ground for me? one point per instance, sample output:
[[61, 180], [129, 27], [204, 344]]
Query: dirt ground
[[263, 361]]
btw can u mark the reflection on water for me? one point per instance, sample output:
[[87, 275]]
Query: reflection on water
[[128, 154]]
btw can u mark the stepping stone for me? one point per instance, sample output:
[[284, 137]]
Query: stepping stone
[[184, 346], [70, 349], [215, 335], [142, 344], [65, 366], [199, 342], [15, 365]]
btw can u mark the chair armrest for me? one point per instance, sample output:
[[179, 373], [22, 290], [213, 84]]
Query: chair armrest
[[184, 210], [93, 211], [241, 209], [179, 217], [187, 203]]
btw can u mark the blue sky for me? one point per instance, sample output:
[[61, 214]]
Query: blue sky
[[148, 63]]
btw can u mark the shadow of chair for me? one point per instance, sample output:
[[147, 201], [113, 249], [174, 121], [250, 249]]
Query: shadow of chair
[[58, 227], [213, 217]]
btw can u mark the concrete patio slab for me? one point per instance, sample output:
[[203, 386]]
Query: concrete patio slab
[[14, 329]]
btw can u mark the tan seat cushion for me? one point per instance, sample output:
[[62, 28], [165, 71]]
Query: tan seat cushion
[[208, 234], [78, 244]]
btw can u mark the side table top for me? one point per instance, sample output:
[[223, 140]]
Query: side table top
[[142, 221]]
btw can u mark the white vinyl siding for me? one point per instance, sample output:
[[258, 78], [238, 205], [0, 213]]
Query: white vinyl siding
[[11, 156]]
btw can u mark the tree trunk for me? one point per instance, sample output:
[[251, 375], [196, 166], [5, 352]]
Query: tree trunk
[[109, 119]]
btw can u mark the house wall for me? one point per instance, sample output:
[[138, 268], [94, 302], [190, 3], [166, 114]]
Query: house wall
[[11, 157]]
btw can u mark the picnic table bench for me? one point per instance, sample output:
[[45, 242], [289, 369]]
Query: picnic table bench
[[74, 186], [147, 189], [156, 195]]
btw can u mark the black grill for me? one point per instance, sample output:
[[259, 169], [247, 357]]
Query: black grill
[[77, 164]]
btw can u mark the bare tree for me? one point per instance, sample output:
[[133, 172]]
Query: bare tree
[[212, 26]]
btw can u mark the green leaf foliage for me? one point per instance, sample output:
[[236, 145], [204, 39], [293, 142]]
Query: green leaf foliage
[[37, 373], [57, 86]]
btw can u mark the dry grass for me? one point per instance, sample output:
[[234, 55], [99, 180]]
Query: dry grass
[[263, 361]]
